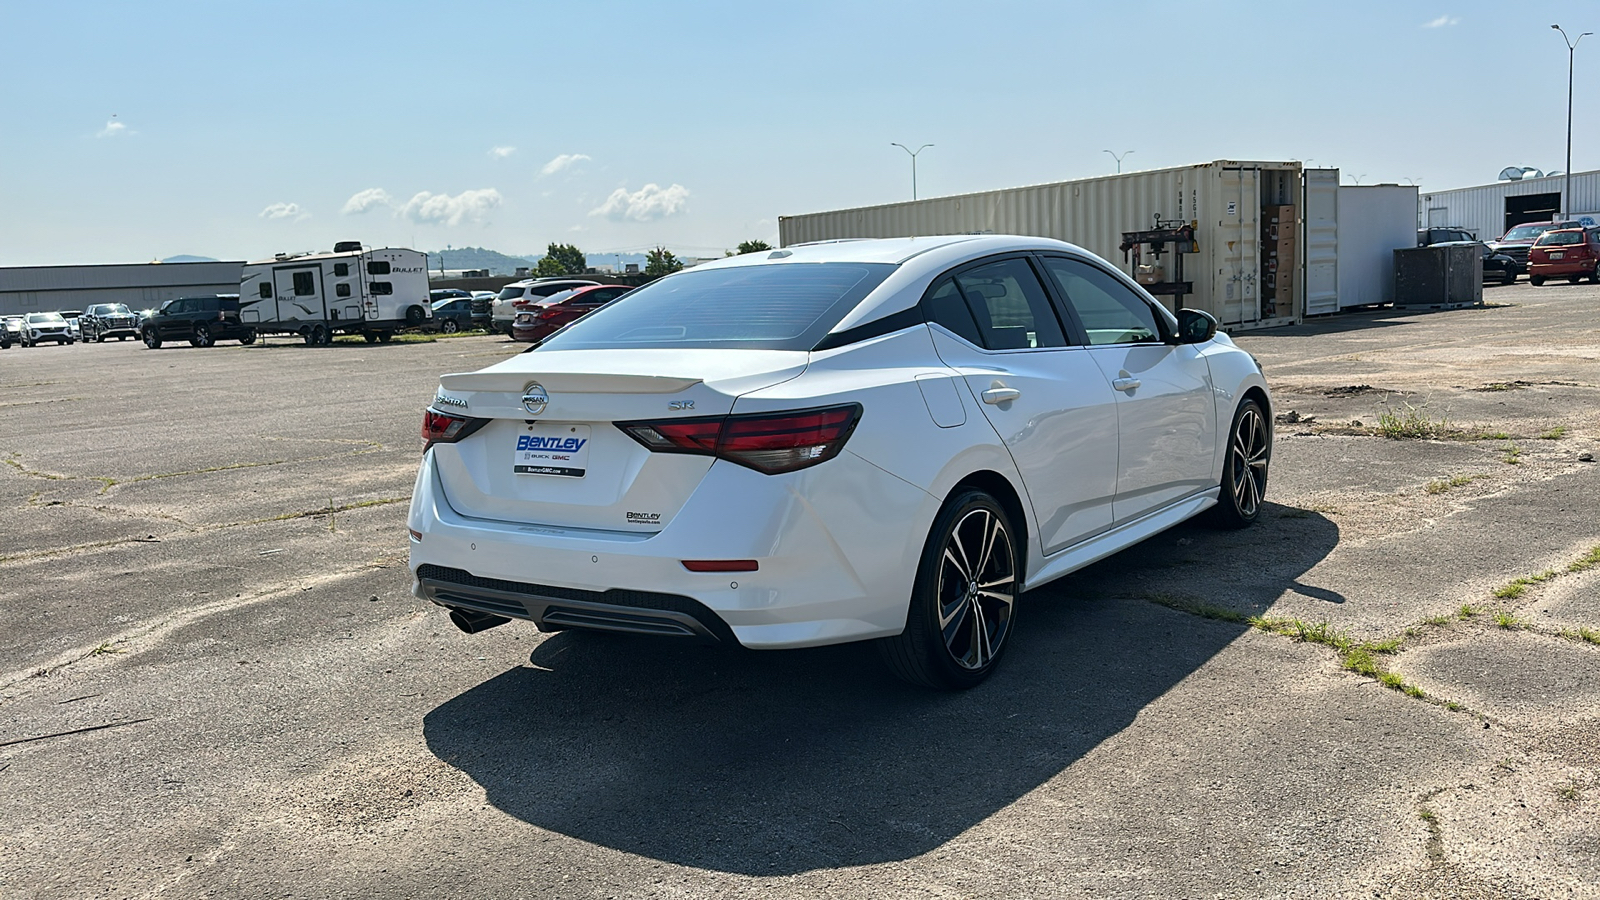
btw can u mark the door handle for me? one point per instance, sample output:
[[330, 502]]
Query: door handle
[[1001, 394], [1125, 383]]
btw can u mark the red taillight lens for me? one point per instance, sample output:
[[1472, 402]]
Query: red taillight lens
[[767, 442], [549, 313], [443, 428]]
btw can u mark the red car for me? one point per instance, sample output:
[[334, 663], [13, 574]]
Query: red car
[[537, 320], [1571, 253]]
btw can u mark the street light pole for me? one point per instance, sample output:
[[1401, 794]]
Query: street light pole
[[1118, 158], [913, 163], [1572, 47]]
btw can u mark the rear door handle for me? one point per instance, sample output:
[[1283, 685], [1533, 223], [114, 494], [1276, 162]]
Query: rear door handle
[[1125, 384], [1000, 395]]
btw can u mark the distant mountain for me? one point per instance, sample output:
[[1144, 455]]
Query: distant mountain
[[478, 258], [184, 257]]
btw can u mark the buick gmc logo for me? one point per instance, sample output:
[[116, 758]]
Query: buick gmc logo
[[534, 399]]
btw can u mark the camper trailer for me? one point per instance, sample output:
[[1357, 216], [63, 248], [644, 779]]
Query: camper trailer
[[316, 295]]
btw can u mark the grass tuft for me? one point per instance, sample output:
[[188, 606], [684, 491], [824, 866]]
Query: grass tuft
[[1554, 434], [1587, 561], [1512, 456], [1508, 621], [1466, 611], [1520, 586], [1454, 481], [1410, 423], [1439, 620]]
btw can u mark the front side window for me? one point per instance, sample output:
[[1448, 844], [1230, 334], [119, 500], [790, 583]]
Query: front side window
[[1010, 307], [304, 284], [264, 290], [1110, 312], [377, 267], [380, 288]]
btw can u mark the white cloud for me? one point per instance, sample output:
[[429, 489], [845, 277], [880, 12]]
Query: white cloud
[[284, 211], [1442, 21], [113, 129], [443, 209], [501, 152], [649, 202], [564, 161], [371, 198]]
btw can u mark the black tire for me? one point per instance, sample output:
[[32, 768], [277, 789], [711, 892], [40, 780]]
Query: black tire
[[1244, 468], [1574, 279], [1594, 274], [414, 316], [1510, 277], [152, 340], [122, 337], [962, 612], [449, 326], [1536, 280], [371, 336], [249, 337], [100, 338], [385, 336], [320, 336], [202, 335]]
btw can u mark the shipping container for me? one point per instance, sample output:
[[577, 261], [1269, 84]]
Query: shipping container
[[1374, 221], [1490, 210], [1249, 268]]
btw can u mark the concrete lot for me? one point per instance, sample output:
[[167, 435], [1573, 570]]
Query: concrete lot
[[214, 680]]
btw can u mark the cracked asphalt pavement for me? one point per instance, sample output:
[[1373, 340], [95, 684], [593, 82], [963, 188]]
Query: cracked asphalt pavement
[[214, 681]]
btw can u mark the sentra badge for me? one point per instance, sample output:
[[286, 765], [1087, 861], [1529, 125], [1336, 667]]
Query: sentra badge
[[534, 399], [447, 400]]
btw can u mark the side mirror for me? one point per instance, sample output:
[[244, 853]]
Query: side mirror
[[1196, 326]]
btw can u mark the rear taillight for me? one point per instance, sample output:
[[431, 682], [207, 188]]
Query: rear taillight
[[550, 313], [443, 428], [767, 442]]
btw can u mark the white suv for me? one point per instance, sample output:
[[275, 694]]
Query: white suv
[[505, 310]]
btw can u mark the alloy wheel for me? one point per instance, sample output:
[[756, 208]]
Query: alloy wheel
[[977, 587], [1247, 456]]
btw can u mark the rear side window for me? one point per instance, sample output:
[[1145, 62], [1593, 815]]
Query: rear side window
[[787, 306], [1010, 307], [550, 290], [381, 288], [945, 306]]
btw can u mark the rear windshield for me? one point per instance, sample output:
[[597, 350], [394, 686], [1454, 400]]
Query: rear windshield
[[788, 306], [1527, 232], [510, 293], [1560, 238]]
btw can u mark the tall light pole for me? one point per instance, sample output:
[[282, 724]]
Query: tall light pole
[[1118, 158], [913, 163], [1572, 47]]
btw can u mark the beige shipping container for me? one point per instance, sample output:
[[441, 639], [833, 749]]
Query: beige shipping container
[[1226, 199]]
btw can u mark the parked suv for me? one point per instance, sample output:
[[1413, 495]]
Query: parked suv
[[1427, 237], [45, 326], [545, 317], [105, 320], [1515, 242], [1570, 253], [201, 320], [519, 295]]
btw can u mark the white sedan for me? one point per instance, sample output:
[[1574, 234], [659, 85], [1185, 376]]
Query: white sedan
[[845, 441]]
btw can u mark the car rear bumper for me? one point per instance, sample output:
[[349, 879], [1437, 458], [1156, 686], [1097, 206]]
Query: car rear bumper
[[837, 548], [1562, 269]]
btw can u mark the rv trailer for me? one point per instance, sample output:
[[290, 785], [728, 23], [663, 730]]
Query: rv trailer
[[373, 293]]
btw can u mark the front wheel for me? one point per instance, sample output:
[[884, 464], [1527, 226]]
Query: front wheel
[[202, 336], [249, 337], [414, 316], [1510, 277], [1536, 280], [1244, 470], [371, 336], [963, 600]]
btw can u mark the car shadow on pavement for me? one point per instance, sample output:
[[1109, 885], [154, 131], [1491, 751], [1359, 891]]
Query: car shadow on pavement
[[783, 762]]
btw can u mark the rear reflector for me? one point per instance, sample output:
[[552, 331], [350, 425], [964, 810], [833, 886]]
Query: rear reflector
[[767, 442], [720, 565]]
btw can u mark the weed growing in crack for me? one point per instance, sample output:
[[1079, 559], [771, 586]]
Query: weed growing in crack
[[1569, 792], [104, 649], [1412, 423], [1512, 456], [1508, 621], [1439, 621], [1519, 586], [1587, 561], [1196, 607], [1587, 635], [1466, 612], [1554, 434], [1445, 484]]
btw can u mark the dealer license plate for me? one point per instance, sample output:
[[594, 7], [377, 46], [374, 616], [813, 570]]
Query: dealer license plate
[[1558, 256], [552, 450]]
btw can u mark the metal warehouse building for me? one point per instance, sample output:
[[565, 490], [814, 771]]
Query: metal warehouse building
[[26, 289], [1490, 210]]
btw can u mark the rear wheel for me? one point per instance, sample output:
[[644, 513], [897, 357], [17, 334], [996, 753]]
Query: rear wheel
[[385, 336], [249, 337], [202, 335], [961, 614], [371, 336], [414, 316], [1510, 277], [1536, 280], [1244, 471], [449, 326], [151, 339], [1574, 279]]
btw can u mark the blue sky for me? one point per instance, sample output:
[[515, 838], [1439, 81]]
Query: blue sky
[[235, 130]]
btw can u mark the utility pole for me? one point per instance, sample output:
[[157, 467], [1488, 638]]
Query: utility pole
[[1572, 47], [913, 163]]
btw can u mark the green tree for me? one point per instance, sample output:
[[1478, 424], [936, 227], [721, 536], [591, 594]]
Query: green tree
[[755, 246], [660, 261], [562, 259]]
